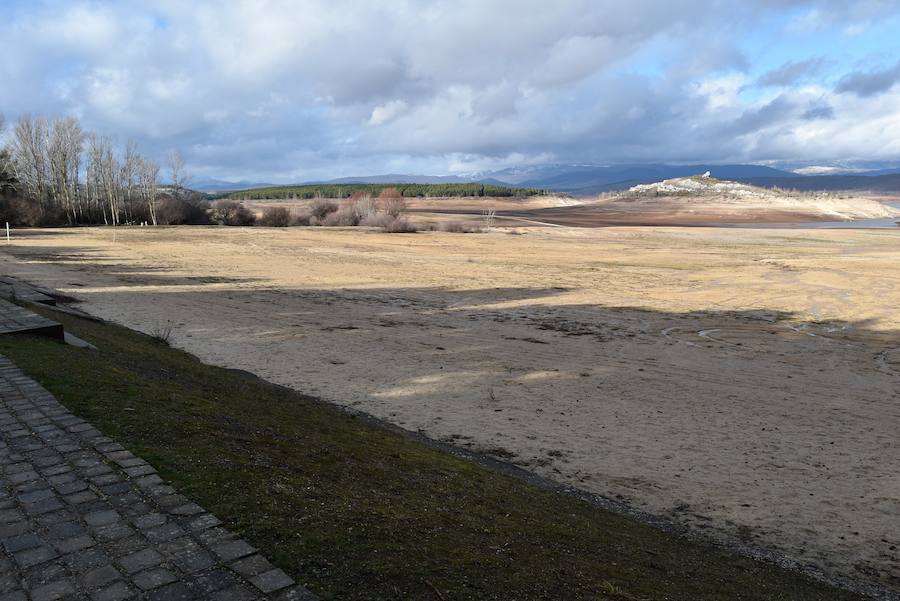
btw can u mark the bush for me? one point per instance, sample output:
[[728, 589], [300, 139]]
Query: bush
[[345, 216], [229, 212], [392, 202], [7, 212], [362, 204], [320, 208], [301, 219], [399, 225], [275, 217], [29, 213], [377, 220], [457, 227], [182, 211]]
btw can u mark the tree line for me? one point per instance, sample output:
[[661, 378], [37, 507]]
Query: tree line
[[407, 190], [53, 172]]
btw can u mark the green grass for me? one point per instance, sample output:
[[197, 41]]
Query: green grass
[[355, 511], [345, 190]]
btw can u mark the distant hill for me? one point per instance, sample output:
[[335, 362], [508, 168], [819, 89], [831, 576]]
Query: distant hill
[[216, 185], [396, 178], [891, 171], [588, 180], [859, 183], [873, 172]]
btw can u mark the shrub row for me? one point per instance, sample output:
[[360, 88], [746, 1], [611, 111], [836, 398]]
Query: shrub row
[[361, 209]]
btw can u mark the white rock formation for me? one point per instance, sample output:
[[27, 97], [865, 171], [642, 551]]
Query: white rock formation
[[700, 185], [705, 193]]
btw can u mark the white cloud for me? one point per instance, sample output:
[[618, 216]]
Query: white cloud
[[388, 111], [279, 88], [722, 92]]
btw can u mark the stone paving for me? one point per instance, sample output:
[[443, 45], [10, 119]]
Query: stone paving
[[15, 319], [12, 288], [83, 518]]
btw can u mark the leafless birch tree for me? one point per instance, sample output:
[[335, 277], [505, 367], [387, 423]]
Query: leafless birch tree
[[177, 173], [59, 172], [64, 158], [29, 157], [148, 174]]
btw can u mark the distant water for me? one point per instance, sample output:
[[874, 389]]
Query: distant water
[[859, 224]]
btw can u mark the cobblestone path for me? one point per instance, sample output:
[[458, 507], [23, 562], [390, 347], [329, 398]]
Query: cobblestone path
[[83, 518]]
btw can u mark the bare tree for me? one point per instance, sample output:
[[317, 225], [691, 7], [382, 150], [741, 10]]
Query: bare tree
[[93, 184], [488, 216], [148, 175], [64, 159], [7, 176], [103, 178], [177, 173], [129, 174], [391, 201], [43, 164], [29, 158]]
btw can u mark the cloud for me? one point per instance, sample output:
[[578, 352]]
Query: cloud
[[281, 90], [773, 113], [852, 18], [791, 72], [386, 112], [722, 92], [818, 111], [869, 83]]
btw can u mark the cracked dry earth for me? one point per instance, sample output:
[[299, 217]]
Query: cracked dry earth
[[745, 383], [83, 518]]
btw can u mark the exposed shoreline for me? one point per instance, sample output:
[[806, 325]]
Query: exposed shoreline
[[696, 374]]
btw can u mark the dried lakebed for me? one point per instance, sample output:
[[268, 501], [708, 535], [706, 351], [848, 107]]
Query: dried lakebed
[[744, 383]]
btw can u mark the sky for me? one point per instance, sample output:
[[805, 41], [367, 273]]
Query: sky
[[290, 90]]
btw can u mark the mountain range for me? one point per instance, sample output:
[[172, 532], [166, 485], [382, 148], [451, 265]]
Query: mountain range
[[587, 180], [218, 185]]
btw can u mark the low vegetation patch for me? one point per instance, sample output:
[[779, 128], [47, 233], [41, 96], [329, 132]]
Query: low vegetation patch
[[228, 212], [359, 511], [457, 227], [275, 217], [361, 208]]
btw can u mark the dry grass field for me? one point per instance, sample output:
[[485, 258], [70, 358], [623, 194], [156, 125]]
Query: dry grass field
[[743, 382]]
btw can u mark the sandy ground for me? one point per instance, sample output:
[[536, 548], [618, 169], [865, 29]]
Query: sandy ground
[[631, 209], [743, 382], [627, 209]]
